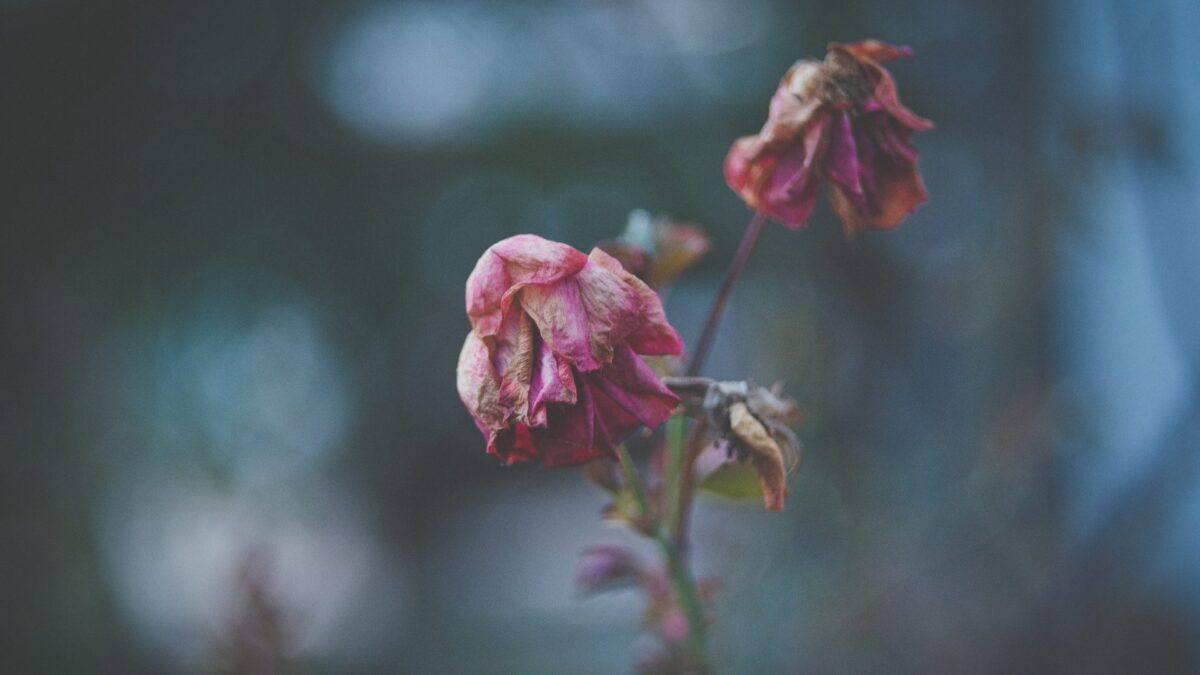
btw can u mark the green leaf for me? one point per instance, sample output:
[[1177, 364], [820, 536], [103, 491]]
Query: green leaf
[[734, 480]]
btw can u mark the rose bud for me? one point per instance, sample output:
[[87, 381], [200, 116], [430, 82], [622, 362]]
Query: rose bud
[[657, 249], [840, 120], [552, 369]]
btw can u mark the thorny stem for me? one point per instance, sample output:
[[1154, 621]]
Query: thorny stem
[[754, 230], [677, 569]]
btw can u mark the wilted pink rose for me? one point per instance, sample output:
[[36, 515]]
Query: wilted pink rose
[[551, 370], [841, 120]]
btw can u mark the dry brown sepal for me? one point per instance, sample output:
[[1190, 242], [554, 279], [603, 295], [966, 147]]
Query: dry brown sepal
[[756, 423]]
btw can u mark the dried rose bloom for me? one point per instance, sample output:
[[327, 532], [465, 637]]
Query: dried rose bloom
[[841, 120], [551, 370]]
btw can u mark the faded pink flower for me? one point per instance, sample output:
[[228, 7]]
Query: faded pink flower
[[841, 120], [551, 370]]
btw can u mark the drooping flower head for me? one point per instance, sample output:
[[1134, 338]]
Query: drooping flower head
[[551, 369], [840, 120]]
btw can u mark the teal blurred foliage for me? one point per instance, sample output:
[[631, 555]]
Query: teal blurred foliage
[[235, 235]]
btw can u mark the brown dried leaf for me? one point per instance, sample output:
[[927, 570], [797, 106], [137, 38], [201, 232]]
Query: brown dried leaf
[[765, 455]]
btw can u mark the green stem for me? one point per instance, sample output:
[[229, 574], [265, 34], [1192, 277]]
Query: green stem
[[687, 491], [677, 570], [674, 478]]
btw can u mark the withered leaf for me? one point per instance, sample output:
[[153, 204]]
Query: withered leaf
[[765, 455]]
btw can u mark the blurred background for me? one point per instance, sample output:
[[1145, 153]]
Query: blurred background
[[234, 236]]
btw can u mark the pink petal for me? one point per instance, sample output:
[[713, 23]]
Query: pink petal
[[872, 53], [897, 186], [553, 381], [793, 104], [655, 335], [569, 438], [613, 421], [479, 385], [510, 265], [741, 167], [627, 393], [584, 317], [889, 97], [791, 192], [874, 50], [512, 445], [562, 319], [512, 357], [841, 163]]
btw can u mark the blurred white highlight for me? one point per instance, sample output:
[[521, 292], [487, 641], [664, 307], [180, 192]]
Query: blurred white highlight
[[453, 72]]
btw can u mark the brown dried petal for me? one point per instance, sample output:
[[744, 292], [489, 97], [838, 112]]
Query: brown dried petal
[[765, 455]]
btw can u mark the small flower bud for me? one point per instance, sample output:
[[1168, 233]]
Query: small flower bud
[[603, 568], [657, 249]]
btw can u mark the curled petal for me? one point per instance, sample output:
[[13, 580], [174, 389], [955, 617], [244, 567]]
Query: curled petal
[[872, 50], [872, 53], [479, 385], [562, 319], [512, 357], [842, 164], [569, 437], [750, 166], [552, 382], [895, 186], [510, 265], [654, 336], [614, 421], [780, 182], [628, 393], [794, 103], [585, 317], [512, 444], [790, 193], [765, 455], [743, 170], [889, 98]]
